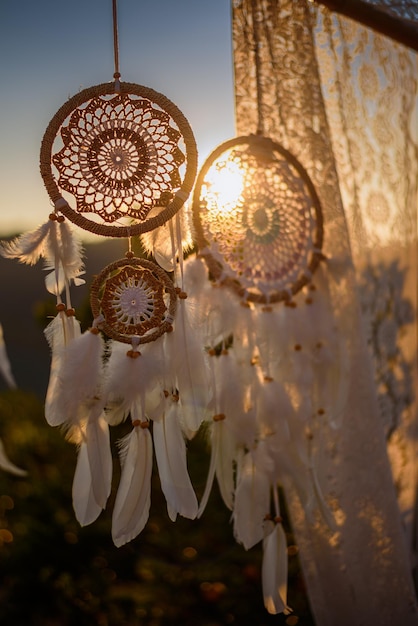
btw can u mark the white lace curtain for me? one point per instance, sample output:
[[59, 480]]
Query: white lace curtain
[[344, 101]]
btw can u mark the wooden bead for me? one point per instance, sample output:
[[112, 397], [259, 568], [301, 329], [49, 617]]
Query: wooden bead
[[133, 354]]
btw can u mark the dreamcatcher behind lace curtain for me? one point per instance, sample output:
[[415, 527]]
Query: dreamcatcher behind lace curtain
[[361, 573]]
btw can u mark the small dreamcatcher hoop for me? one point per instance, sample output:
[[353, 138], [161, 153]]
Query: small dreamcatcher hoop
[[258, 219], [125, 153], [133, 297]]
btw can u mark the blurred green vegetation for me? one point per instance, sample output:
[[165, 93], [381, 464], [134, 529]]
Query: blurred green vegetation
[[55, 573]]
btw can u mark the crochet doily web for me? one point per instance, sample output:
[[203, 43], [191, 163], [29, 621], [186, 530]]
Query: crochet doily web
[[258, 222], [119, 156], [133, 298]]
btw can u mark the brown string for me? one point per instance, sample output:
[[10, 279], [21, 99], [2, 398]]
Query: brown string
[[115, 39]]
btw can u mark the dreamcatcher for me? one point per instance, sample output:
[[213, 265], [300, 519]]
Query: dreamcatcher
[[277, 358], [119, 160], [240, 336], [278, 361]]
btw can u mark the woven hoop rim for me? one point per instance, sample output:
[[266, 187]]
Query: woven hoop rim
[[95, 301], [109, 89], [215, 268]]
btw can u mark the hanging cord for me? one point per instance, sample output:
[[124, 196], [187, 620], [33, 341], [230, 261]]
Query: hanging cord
[[116, 75], [257, 61]]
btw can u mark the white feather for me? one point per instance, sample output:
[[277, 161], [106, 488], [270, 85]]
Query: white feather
[[274, 409], [85, 506], [54, 242], [212, 469], [214, 311], [274, 570], [170, 452], [252, 497], [129, 380], [5, 367], [270, 337], [29, 247], [99, 454], [59, 333], [159, 243], [7, 465], [133, 498], [71, 254], [79, 377], [245, 335], [188, 368], [226, 454]]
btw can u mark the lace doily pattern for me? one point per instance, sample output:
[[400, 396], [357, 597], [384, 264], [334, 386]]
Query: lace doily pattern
[[258, 219], [133, 297], [127, 159]]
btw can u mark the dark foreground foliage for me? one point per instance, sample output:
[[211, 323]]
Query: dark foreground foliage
[[55, 573]]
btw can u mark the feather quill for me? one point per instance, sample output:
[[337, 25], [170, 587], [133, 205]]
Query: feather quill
[[133, 498], [170, 452]]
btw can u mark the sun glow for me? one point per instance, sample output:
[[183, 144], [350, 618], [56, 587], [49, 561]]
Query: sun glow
[[224, 185]]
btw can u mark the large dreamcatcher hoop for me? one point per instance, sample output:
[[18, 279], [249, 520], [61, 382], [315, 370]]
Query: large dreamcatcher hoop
[[125, 153], [258, 219]]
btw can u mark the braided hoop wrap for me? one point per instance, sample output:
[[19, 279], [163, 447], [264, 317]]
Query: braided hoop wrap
[[118, 154], [133, 298], [257, 219]]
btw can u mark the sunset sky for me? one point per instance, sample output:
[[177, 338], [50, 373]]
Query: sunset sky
[[51, 49]]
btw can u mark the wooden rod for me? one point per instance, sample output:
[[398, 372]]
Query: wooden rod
[[397, 28]]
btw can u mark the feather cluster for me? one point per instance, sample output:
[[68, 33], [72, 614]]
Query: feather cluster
[[55, 243], [261, 380]]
